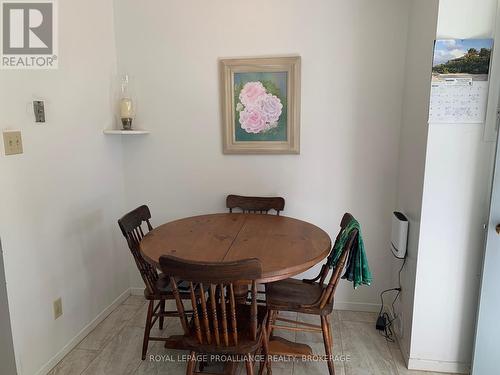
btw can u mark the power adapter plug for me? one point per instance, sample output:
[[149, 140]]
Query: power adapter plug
[[381, 323]]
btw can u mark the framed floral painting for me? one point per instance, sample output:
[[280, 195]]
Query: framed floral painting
[[261, 105]]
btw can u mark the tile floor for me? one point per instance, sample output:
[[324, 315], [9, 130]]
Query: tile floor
[[114, 347]]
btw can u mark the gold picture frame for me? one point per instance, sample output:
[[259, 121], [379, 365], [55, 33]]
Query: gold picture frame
[[260, 99]]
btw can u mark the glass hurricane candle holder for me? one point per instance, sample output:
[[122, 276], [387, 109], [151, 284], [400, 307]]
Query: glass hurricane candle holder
[[126, 105]]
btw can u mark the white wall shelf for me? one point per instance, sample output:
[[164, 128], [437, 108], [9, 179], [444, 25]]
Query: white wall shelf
[[126, 132]]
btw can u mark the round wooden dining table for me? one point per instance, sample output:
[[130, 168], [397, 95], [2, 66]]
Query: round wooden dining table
[[285, 246]]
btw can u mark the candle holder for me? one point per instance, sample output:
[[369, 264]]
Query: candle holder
[[127, 123]]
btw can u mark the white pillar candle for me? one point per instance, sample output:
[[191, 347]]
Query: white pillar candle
[[126, 109]]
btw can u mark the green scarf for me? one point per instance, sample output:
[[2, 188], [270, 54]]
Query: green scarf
[[357, 269]]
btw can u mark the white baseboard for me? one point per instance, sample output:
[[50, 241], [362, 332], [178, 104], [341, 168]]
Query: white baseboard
[[438, 366], [356, 306], [433, 365], [81, 335], [137, 291]]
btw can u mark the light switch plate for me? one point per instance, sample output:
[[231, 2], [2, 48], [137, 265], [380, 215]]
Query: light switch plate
[[39, 110], [58, 310], [13, 142]]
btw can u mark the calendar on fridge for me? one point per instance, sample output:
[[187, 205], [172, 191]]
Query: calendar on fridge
[[459, 88]]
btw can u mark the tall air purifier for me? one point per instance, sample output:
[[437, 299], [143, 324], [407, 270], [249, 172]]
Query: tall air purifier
[[399, 237]]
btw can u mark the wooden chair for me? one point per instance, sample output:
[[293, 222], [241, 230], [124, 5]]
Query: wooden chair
[[260, 205], [309, 296], [219, 325], [158, 287]]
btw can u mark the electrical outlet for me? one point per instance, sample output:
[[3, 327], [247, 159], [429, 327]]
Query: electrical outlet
[[58, 311], [13, 142]]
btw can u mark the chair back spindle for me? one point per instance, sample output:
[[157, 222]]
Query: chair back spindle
[[260, 205], [215, 316]]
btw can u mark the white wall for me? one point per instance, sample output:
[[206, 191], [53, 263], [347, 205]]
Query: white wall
[[351, 111], [422, 30], [7, 356], [61, 198], [455, 207]]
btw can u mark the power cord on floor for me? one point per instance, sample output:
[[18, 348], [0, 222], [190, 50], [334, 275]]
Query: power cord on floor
[[384, 320]]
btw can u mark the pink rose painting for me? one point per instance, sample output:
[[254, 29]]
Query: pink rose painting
[[260, 105], [259, 110]]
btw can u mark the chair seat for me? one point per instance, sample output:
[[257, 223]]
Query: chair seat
[[245, 342], [164, 289], [296, 295]]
